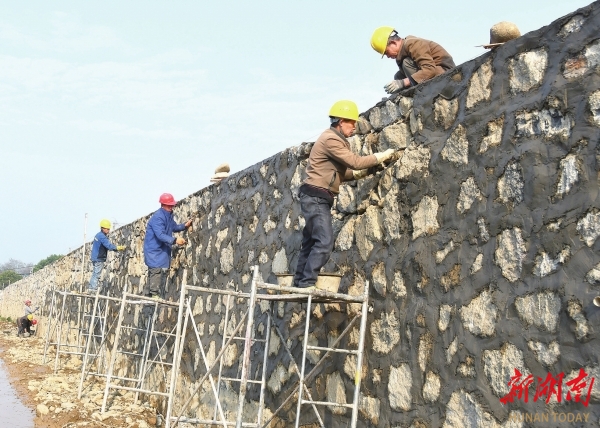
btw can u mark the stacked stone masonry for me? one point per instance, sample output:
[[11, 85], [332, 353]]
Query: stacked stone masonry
[[480, 242]]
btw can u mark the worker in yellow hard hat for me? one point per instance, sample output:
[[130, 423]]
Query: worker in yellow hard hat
[[418, 59], [100, 249], [330, 162]]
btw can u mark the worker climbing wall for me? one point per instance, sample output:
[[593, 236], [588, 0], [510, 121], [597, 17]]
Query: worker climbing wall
[[480, 241]]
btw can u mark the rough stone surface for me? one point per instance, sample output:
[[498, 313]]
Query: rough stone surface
[[546, 354], [594, 104], [399, 388], [385, 333], [549, 124], [572, 26], [539, 309], [368, 231], [527, 70], [469, 192], [593, 276], [456, 149], [336, 393], [494, 135], [445, 312], [383, 116], [463, 411], [575, 311], [499, 365], [395, 137], [431, 388], [589, 227], [445, 111], [510, 252], [545, 265], [479, 316], [510, 185], [479, 85], [424, 219], [569, 175], [415, 162]]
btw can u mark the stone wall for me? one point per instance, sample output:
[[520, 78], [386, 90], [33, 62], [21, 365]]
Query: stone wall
[[480, 242]]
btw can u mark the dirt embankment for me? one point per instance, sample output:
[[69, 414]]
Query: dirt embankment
[[53, 396]]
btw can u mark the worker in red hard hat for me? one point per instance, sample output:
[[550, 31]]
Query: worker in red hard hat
[[158, 243]]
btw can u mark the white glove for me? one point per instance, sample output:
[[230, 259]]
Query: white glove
[[394, 86], [383, 156], [359, 173]]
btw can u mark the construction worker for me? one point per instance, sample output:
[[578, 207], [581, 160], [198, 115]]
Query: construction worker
[[24, 325], [27, 309], [418, 59], [158, 242], [501, 33], [100, 249], [330, 162]]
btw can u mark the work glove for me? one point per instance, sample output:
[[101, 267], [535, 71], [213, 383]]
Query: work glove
[[180, 241], [120, 247], [394, 86], [383, 156], [359, 173]]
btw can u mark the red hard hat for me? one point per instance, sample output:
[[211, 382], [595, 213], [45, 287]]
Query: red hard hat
[[167, 199], [27, 302]]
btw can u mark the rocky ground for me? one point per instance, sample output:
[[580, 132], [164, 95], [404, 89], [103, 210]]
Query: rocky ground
[[53, 396]]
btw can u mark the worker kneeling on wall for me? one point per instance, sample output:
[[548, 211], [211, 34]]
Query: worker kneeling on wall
[[330, 163]]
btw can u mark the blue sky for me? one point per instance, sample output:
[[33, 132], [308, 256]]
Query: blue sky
[[106, 105]]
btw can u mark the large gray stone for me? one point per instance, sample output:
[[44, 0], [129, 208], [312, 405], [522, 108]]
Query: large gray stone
[[593, 276], [510, 185], [499, 365], [368, 230], [336, 393], [480, 85], [456, 149], [589, 227], [445, 111], [424, 218], [540, 309], [549, 124], [463, 411], [574, 25], [510, 253], [385, 332], [346, 200], [431, 388], [379, 279], [480, 315], [546, 354], [345, 238], [568, 176], [414, 162], [494, 135], [469, 192], [396, 136], [384, 115], [545, 265], [594, 103], [399, 386], [369, 408], [527, 70], [575, 311]]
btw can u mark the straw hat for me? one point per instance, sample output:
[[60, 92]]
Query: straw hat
[[501, 33]]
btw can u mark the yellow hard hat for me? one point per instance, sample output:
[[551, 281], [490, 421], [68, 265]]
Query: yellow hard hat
[[379, 39], [30, 317], [344, 109], [105, 224]]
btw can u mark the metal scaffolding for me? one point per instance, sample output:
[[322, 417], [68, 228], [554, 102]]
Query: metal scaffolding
[[146, 345], [304, 379], [159, 342]]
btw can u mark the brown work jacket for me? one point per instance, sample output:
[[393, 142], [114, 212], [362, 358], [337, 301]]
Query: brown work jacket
[[431, 58], [331, 161]]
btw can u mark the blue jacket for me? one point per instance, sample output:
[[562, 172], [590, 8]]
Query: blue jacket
[[159, 239], [101, 247]]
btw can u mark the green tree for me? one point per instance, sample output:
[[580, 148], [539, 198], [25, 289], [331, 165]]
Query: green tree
[[8, 277], [45, 262]]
